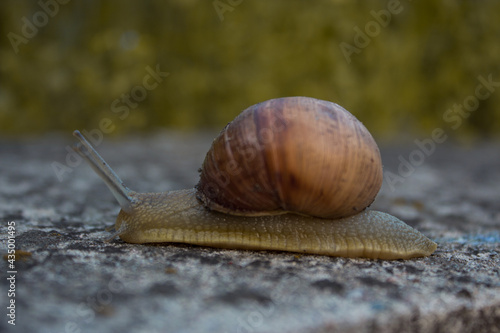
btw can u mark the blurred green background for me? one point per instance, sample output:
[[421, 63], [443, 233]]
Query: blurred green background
[[68, 64]]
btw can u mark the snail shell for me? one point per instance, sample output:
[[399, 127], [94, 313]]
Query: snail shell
[[294, 154]]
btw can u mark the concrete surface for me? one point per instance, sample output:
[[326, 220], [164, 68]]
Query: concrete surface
[[70, 280]]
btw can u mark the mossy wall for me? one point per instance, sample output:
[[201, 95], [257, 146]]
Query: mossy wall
[[399, 66]]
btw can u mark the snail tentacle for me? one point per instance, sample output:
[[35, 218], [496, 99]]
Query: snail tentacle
[[103, 170]]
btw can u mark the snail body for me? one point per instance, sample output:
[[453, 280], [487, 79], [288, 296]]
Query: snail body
[[290, 174]]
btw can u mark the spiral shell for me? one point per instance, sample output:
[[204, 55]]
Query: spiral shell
[[292, 154]]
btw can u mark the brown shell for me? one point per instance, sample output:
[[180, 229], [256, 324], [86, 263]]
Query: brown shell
[[296, 154]]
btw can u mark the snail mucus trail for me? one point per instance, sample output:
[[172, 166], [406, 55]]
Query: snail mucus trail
[[304, 191]]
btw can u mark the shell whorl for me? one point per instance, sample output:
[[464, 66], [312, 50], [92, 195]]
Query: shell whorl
[[292, 154]]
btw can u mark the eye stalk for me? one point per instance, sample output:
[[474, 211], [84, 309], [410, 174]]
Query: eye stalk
[[101, 168]]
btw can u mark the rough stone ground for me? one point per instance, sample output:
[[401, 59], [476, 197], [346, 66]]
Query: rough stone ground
[[71, 280]]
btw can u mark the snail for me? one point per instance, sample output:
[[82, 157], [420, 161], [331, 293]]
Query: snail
[[289, 174]]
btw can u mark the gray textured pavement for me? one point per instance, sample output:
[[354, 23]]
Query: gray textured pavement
[[70, 280]]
